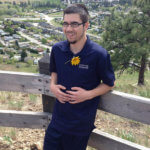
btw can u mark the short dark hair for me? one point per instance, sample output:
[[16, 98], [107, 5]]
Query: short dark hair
[[78, 9]]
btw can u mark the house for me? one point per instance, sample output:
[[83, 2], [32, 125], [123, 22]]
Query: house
[[3, 33], [16, 36], [36, 60], [46, 35], [8, 38], [1, 26], [24, 44], [17, 57], [37, 36]]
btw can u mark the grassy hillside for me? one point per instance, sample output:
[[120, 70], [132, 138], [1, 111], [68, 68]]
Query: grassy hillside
[[17, 1]]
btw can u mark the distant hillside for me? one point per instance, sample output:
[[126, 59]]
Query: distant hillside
[[17, 1]]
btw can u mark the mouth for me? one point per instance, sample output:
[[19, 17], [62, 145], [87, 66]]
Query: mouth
[[70, 35]]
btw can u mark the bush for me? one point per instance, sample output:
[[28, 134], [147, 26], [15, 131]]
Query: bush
[[29, 63]]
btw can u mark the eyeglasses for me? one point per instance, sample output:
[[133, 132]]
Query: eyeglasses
[[72, 24]]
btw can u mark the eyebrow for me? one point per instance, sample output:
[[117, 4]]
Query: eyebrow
[[71, 22]]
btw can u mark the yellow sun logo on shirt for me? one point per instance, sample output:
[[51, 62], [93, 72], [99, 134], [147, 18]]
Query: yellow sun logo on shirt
[[75, 60]]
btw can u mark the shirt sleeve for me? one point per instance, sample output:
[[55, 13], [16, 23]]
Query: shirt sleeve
[[52, 66], [105, 70]]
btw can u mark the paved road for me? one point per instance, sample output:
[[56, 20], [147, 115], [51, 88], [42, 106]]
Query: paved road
[[34, 40], [22, 19], [47, 18]]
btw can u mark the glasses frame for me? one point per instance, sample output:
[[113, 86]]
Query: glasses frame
[[72, 24]]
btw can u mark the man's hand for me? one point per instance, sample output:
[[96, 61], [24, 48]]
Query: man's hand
[[78, 95], [57, 91]]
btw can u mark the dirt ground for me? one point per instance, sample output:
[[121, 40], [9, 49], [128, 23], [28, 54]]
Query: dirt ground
[[32, 139]]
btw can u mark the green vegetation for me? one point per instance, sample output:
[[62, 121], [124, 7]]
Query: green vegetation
[[33, 98], [22, 8], [7, 139], [44, 41], [127, 37], [126, 135], [19, 67], [56, 22], [15, 105], [46, 4], [23, 55], [56, 14], [127, 83]]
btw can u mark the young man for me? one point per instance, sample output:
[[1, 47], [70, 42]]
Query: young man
[[80, 72]]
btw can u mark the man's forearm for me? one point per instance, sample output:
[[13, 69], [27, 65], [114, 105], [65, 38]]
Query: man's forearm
[[53, 78], [100, 90]]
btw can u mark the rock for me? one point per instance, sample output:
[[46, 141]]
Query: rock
[[36, 146]]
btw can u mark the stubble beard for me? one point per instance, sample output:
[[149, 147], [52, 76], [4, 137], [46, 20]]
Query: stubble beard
[[75, 41]]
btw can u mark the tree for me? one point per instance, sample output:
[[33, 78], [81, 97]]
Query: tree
[[14, 3], [144, 7], [123, 2], [10, 30], [11, 54], [127, 38], [17, 44], [47, 50], [44, 41], [23, 55]]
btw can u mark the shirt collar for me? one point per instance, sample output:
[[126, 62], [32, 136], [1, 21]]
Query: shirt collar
[[84, 50]]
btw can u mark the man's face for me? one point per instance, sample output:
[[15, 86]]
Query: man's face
[[74, 33]]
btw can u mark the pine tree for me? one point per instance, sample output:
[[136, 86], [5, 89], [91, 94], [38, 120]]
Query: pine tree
[[127, 37], [144, 7], [23, 55]]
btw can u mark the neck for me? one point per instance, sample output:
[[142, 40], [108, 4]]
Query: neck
[[77, 47]]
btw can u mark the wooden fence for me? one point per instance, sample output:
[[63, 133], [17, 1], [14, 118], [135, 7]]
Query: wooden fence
[[129, 106]]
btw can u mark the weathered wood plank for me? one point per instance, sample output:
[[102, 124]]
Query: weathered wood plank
[[104, 141], [24, 119], [126, 105], [22, 82]]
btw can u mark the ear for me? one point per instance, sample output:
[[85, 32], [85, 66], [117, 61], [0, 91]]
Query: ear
[[86, 25]]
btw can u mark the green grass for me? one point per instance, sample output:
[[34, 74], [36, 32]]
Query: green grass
[[128, 83], [56, 24], [33, 98], [127, 136], [19, 67], [57, 14], [15, 105]]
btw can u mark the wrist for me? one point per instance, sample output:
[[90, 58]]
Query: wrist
[[52, 86], [90, 94]]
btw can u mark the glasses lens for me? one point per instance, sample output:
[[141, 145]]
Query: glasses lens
[[65, 24], [74, 24]]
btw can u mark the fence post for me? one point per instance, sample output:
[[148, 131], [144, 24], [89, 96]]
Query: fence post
[[48, 101]]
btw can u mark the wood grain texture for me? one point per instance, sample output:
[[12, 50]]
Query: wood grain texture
[[104, 141], [24, 119]]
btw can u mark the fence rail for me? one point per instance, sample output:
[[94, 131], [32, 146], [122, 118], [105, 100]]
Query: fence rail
[[126, 105]]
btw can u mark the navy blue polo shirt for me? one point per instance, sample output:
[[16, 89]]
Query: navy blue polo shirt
[[94, 67]]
